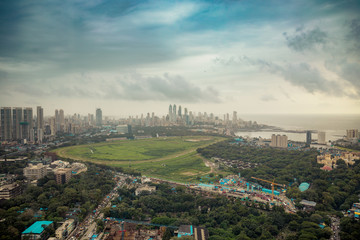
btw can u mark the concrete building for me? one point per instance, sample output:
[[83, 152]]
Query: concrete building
[[37, 231], [6, 124], [78, 168], [197, 233], [35, 172], [63, 231], [308, 137], [321, 138], [62, 120], [122, 129], [10, 191], [98, 117], [27, 124], [279, 141], [17, 116], [145, 188], [62, 175], [234, 120], [40, 123], [352, 134]]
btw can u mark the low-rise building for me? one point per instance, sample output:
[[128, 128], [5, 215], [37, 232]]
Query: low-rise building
[[78, 168], [63, 231], [198, 233], [10, 191], [37, 230], [35, 172], [308, 205], [145, 188]]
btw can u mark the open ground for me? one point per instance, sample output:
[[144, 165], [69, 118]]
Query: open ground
[[171, 158]]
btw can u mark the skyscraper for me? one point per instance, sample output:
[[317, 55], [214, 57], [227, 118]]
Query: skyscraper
[[234, 121], [6, 124], [98, 117], [17, 119], [40, 123], [174, 113], [180, 112], [321, 138], [279, 141], [62, 120], [57, 121], [27, 124], [308, 137], [352, 134]]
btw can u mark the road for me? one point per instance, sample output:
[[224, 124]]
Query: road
[[335, 227], [88, 227]]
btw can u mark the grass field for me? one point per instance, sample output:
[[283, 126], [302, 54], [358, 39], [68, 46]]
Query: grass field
[[172, 158]]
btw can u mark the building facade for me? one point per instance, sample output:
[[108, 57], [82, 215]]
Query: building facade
[[62, 175], [6, 124], [98, 117], [35, 172]]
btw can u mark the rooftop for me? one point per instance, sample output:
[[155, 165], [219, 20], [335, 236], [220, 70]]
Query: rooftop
[[37, 227]]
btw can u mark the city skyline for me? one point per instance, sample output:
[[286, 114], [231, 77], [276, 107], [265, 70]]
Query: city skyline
[[293, 57]]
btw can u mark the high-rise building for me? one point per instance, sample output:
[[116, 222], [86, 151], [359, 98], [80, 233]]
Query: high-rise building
[[352, 134], [17, 119], [62, 175], [62, 120], [279, 141], [170, 113], [234, 117], [6, 124], [27, 124], [57, 121], [308, 137], [174, 113], [321, 138], [98, 117], [180, 112], [40, 123]]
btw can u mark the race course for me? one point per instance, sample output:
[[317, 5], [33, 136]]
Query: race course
[[172, 158]]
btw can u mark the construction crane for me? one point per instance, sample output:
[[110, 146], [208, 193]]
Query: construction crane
[[272, 185]]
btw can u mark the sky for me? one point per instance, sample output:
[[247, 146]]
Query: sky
[[129, 57]]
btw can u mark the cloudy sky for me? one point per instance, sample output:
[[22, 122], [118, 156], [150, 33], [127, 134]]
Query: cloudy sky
[[132, 57]]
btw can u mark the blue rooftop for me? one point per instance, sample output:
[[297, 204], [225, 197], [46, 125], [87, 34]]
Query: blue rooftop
[[37, 227], [304, 186]]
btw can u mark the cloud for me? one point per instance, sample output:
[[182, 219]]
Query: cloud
[[134, 87], [166, 87], [306, 40], [268, 98], [298, 74], [354, 35]]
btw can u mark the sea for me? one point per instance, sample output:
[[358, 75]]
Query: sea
[[334, 126]]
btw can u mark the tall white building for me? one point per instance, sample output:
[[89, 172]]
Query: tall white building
[[321, 138], [279, 141]]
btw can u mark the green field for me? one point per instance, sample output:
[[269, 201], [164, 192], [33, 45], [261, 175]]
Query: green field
[[172, 158]]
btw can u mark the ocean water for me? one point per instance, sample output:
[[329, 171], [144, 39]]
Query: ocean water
[[334, 126]]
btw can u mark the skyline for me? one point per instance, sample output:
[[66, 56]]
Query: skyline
[[130, 56]]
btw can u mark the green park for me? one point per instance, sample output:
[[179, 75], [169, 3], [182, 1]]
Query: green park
[[170, 158]]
